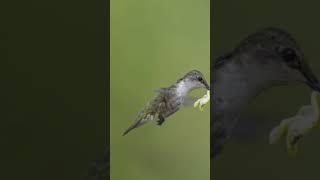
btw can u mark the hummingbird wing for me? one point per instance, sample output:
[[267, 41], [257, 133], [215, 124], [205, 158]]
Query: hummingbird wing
[[189, 101], [161, 90]]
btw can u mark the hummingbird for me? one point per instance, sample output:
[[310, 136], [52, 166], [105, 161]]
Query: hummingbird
[[169, 100], [267, 58]]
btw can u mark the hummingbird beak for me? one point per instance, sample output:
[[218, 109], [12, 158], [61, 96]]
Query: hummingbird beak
[[313, 82], [311, 79], [206, 84]]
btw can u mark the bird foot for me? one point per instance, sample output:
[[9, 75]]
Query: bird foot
[[160, 121]]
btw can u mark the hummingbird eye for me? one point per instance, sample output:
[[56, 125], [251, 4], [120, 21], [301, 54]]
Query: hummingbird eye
[[290, 57], [288, 54], [200, 79]]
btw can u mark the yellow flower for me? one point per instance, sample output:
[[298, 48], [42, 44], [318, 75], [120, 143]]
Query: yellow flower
[[294, 128], [202, 101]]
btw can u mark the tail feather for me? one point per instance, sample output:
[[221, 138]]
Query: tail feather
[[134, 125]]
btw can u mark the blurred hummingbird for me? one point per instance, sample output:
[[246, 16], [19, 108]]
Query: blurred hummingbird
[[169, 100], [266, 58]]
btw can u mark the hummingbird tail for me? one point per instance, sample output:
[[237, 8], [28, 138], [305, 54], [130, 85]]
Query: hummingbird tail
[[128, 130], [133, 126]]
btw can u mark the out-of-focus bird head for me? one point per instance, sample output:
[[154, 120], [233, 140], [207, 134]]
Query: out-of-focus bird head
[[273, 55]]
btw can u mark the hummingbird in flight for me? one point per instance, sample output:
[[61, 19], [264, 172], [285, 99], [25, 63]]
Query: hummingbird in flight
[[169, 100]]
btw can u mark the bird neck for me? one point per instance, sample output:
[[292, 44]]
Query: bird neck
[[235, 85], [183, 87]]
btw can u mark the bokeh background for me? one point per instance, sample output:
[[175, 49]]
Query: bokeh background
[[153, 43], [248, 155]]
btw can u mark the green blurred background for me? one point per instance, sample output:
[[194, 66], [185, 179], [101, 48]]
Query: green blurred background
[[153, 43], [248, 155]]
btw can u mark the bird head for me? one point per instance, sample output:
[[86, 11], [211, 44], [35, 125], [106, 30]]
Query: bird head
[[276, 56], [194, 79]]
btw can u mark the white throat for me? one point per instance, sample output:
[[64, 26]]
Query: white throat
[[183, 88]]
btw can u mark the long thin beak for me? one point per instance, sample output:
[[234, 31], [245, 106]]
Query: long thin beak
[[313, 82], [206, 84], [311, 79]]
